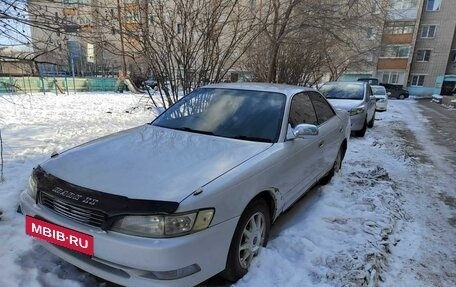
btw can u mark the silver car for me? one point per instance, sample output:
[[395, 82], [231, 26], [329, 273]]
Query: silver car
[[192, 194], [357, 99]]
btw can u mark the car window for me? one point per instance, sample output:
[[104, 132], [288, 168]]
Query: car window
[[368, 91], [378, 90], [239, 114], [340, 90], [322, 108], [302, 111]]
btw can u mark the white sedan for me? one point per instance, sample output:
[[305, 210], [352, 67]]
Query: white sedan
[[381, 98], [192, 194]]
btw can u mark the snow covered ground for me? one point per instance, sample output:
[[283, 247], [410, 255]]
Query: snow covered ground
[[388, 219]]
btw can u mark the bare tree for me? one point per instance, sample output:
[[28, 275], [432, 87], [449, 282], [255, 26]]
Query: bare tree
[[320, 36], [186, 43]]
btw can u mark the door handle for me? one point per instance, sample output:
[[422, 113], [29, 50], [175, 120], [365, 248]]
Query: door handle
[[321, 144]]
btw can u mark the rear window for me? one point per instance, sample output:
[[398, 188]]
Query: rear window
[[378, 90], [349, 91]]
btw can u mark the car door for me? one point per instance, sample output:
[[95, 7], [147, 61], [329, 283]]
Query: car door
[[303, 154], [370, 102], [330, 130]]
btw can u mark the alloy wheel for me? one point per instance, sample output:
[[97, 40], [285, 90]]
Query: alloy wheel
[[252, 239]]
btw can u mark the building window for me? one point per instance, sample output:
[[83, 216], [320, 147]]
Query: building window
[[391, 77], [375, 7], [395, 51], [453, 56], [113, 30], [179, 28], [417, 80], [423, 55], [371, 33], [433, 5], [405, 4], [428, 31], [70, 2], [252, 4], [399, 27], [131, 17]]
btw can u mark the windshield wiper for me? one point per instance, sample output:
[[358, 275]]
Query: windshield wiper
[[187, 129], [256, 139]]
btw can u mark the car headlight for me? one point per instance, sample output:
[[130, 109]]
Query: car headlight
[[357, 111], [32, 187], [164, 225]]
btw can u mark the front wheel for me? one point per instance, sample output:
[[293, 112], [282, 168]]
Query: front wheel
[[370, 124], [362, 132], [401, 97], [335, 168], [252, 233]]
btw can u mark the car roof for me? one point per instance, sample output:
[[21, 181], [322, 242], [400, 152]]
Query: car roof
[[377, 86], [343, 83], [288, 90]]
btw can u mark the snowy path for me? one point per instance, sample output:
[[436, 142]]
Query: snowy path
[[388, 219]]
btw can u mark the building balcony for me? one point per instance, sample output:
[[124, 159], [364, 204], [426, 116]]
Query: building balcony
[[70, 11], [403, 14], [392, 63], [131, 27], [397, 38], [131, 7]]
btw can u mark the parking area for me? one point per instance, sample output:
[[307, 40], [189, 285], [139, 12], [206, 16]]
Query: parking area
[[442, 125]]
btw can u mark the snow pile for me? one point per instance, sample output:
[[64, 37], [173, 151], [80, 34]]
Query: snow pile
[[344, 236], [33, 127]]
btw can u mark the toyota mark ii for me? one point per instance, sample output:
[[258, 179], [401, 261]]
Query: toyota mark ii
[[192, 194]]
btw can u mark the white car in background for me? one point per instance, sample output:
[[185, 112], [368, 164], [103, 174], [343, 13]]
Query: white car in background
[[357, 99], [381, 98]]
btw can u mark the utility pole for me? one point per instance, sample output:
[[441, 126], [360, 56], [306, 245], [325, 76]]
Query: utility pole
[[122, 48]]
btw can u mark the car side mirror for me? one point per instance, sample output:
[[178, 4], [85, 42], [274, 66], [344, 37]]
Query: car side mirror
[[303, 130]]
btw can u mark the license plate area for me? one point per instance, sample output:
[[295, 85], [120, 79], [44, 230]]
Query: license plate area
[[59, 235]]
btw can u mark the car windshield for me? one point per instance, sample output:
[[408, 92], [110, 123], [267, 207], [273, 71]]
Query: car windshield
[[379, 91], [238, 114], [343, 91]]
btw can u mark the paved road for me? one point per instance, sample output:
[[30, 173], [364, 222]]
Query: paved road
[[443, 126]]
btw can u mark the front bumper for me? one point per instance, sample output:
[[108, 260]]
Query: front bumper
[[381, 106], [132, 261], [357, 121]]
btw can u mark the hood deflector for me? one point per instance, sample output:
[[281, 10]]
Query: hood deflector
[[108, 204]]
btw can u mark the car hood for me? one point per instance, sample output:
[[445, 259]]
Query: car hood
[[345, 105], [150, 162]]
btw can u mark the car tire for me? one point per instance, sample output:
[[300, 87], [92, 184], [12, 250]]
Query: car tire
[[362, 132], [401, 97], [244, 248], [335, 169], [371, 123]]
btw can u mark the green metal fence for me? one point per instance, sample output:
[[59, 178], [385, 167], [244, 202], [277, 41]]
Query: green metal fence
[[54, 84]]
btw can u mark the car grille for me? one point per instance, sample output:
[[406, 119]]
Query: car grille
[[74, 212]]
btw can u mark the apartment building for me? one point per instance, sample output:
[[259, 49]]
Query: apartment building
[[433, 66], [418, 46], [397, 42], [84, 34], [111, 35]]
